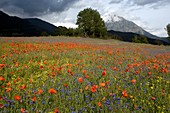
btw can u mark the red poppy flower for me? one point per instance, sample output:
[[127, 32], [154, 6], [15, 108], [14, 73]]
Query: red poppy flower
[[31, 80], [99, 104], [22, 110], [163, 90], [80, 79], [93, 89], [1, 98], [107, 82], [8, 84], [1, 78], [127, 70], [65, 85], [102, 84], [69, 70], [8, 89], [40, 91], [114, 68], [17, 97], [153, 98], [84, 71], [103, 98], [95, 86], [124, 93], [41, 67], [133, 81], [26, 66], [87, 87], [16, 64], [137, 72], [23, 87], [34, 99], [104, 73], [164, 70], [2, 65], [1, 106], [56, 110], [52, 91], [149, 73], [19, 79], [86, 76]]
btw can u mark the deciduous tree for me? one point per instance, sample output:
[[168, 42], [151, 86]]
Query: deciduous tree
[[168, 30], [90, 23]]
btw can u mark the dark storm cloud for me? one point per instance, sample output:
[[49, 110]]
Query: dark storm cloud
[[35, 7]]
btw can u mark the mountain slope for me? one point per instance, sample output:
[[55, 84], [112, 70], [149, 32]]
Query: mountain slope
[[43, 25], [15, 26], [118, 23], [10, 25], [128, 36]]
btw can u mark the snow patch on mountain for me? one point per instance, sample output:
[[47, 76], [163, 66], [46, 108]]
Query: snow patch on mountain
[[112, 18], [117, 23]]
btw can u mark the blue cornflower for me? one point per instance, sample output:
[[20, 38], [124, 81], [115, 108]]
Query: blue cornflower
[[43, 102], [5, 105], [110, 108], [71, 108], [107, 102]]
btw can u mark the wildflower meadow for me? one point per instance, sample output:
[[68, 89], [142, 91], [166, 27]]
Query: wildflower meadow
[[49, 75]]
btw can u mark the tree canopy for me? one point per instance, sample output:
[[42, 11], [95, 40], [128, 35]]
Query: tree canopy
[[90, 23], [168, 29], [140, 39]]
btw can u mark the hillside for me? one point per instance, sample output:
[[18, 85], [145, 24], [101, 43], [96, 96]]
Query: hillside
[[128, 36], [42, 25], [15, 26]]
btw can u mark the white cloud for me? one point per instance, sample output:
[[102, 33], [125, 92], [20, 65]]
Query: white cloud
[[68, 25], [152, 15]]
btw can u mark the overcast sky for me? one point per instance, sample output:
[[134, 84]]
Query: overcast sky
[[151, 15]]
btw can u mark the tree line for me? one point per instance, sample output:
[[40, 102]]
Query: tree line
[[90, 24]]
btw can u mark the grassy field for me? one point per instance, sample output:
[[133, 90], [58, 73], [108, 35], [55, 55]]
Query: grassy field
[[83, 75]]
